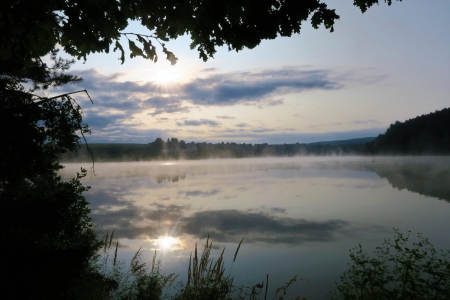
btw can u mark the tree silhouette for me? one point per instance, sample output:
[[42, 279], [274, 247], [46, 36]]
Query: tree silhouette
[[426, 134], [83, 27], [46, 232]]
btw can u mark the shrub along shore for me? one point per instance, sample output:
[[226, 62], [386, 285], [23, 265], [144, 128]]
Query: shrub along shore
[[398, 269]]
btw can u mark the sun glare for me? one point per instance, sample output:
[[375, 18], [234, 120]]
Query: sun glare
[[165, 77], [166, 242]]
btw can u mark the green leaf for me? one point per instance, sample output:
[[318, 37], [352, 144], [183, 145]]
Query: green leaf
[[119, 46], [170, 56], [150, 50], [135, 50]]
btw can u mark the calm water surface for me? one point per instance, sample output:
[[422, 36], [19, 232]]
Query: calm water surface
[[297, 215]]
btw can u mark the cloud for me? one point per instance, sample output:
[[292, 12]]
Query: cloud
[[96, 120], [223, 89], [275, 103], [266, 135], [119, 133], [199, 123], [119, 105], [262, 130], [242, 125], [253, 87], [277, 210], [164, 105], [366, 122], [371, 122]]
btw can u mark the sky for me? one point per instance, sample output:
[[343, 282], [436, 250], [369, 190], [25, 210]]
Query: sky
[[389, 64]]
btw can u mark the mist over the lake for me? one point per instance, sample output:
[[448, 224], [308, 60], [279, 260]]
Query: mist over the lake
[[298, 215]]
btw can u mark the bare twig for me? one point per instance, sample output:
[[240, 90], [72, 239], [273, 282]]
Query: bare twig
[[267, 285], [45, 99], [81, 129]]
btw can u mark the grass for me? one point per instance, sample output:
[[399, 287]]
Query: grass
[[206, 278], [400, 269]]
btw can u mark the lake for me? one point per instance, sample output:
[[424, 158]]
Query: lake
[[297, 215]]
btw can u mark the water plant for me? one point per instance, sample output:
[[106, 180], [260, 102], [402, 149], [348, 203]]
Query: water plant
[[400, 269]]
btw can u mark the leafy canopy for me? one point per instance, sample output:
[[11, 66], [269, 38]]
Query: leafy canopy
[[31, 29]]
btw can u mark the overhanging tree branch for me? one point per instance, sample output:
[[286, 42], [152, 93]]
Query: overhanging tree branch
[[45, 99]]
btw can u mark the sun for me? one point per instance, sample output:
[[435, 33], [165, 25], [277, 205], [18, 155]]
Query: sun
[[167, 76], [166, 242]]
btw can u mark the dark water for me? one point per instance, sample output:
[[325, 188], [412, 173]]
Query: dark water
[[297, 215]]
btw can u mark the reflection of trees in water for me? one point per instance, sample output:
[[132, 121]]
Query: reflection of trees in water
[[425, 180], [425, 176], [170, 178], [428, 176]]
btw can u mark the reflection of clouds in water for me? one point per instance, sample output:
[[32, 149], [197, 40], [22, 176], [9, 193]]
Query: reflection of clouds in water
[[227, 197], [359, 186], [127, 203], [232, 225], [199, 193], [132, 222], [99, 198], [243, 188]]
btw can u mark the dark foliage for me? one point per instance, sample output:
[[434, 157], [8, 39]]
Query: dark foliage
[[426, 134], [47, 237], [400, 269], [82, 27]]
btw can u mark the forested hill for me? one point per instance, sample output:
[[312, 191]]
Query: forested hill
[[426, 134]]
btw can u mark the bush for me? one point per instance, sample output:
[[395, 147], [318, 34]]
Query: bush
[[400, 270]]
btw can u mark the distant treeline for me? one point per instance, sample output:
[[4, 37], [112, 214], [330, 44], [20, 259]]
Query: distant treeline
[[424, 135], [427, 134], [174, 149]]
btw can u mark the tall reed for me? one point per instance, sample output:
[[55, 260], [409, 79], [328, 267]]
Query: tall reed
[[206, 279]]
